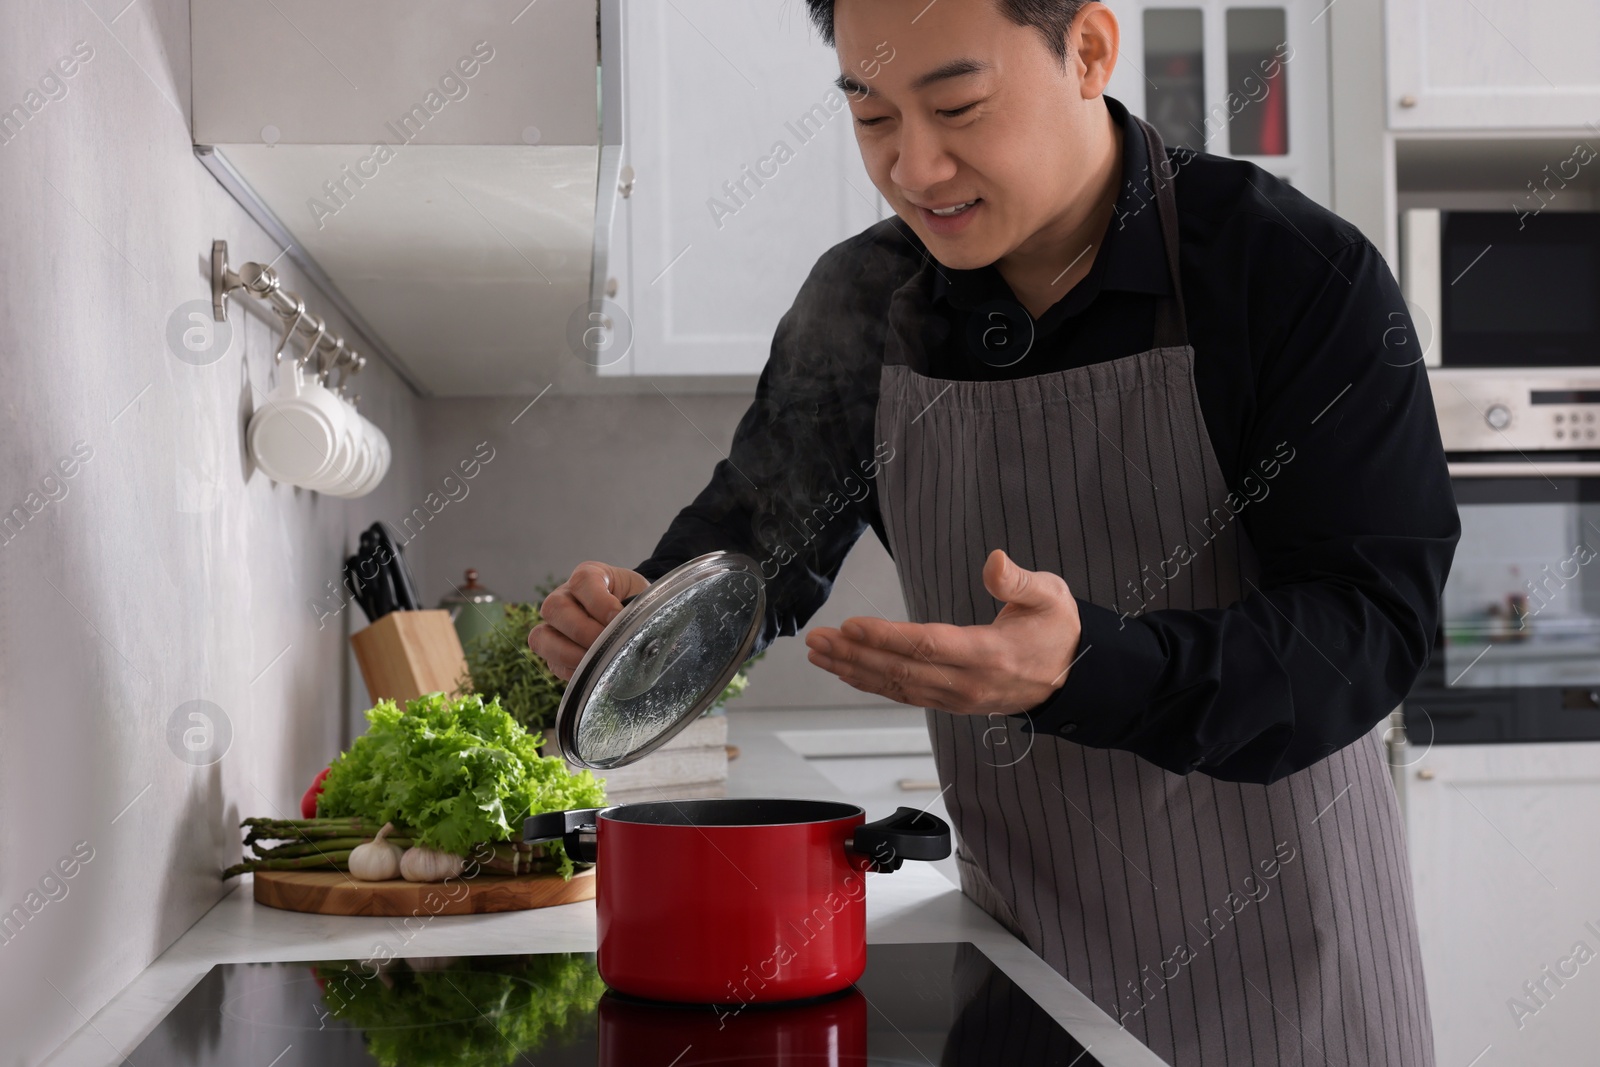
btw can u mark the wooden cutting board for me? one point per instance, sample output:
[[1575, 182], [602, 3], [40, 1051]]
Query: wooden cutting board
[[336, 893]]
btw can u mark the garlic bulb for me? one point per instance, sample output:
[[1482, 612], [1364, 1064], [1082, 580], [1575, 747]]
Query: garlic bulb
[[377, 860], [429, 865]]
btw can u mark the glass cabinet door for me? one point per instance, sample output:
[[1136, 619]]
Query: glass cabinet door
[[1174, 60], [1232, 77]]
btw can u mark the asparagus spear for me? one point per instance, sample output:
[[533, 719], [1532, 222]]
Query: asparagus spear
[[326, 843], [314, 830], [331, 861], [298, 829], [315, 848]]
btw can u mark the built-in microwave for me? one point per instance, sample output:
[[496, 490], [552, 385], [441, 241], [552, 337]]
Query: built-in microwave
[[1503, 288]]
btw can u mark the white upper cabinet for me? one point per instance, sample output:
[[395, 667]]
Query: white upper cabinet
[[1241, 78], [745, 171], [1493, 64]]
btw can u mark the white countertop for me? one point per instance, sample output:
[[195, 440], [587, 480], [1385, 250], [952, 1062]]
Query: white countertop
[[915, 903]]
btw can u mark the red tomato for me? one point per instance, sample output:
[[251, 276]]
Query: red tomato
[[308, 803]]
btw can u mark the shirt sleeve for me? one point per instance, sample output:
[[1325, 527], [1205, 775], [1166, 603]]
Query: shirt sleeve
[[1345, 495], [797, 486]]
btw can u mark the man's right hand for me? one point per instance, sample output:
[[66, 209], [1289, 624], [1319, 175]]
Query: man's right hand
[[577, 610]]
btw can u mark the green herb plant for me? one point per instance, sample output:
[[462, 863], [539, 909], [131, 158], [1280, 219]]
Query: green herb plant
[[500, 665]]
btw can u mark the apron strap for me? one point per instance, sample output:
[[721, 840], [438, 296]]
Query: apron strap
[[1172, 328]]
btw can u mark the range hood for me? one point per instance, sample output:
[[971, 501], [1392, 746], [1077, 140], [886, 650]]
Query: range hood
[[448, 174]]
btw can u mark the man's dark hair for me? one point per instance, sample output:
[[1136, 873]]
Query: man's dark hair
[[1052, 18]]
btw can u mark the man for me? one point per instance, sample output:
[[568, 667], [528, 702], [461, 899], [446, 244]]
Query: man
[[1171, 521]]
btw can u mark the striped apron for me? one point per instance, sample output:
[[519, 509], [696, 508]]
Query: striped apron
[[1223, 924]]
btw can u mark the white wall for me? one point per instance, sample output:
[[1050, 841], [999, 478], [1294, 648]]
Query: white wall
[[592, 477], [169, 571]]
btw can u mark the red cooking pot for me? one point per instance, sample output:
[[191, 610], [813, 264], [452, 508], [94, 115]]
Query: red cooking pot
[[734, 901]]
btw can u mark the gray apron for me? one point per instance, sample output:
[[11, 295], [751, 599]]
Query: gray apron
[[1223, 924]]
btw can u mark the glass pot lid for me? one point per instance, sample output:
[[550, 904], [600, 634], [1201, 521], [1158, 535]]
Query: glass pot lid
[[662, 661]]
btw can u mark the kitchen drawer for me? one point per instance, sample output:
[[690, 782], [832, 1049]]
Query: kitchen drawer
[[1458, 720]]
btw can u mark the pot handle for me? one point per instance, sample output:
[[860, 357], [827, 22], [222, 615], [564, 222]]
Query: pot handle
[[575, 829], [908, 834]]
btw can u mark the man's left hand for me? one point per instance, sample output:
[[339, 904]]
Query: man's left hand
[[1012, 664]]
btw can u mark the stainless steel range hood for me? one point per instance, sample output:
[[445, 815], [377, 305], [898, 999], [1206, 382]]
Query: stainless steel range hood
[[447, 173]]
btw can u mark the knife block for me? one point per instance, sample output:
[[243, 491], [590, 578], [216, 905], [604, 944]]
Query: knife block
[[408, 653]]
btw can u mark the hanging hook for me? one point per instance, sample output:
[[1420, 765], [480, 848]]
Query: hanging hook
[[316, 340], [351, 368], [299, 313], [326, 365]]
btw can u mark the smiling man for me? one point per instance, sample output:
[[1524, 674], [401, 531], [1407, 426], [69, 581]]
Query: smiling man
[[1171, 522]]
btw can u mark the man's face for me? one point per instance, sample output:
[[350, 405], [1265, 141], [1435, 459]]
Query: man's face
[[1000, 124]]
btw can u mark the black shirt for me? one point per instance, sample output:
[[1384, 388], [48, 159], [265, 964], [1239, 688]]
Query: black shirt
[[1303, 348]]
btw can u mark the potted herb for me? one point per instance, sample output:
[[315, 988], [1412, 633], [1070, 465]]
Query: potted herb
[[500, 664]]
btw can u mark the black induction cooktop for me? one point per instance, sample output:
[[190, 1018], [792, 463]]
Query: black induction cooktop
[[943, 1004]]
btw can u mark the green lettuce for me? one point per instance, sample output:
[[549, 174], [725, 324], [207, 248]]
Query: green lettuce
[[456, 770]]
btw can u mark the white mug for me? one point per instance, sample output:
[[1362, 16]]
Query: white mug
[[358, 477], [339, 476], [296, 434], [309, 435], [380, 461]]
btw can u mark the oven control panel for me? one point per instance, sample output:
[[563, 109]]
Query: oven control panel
[[1503, 410]]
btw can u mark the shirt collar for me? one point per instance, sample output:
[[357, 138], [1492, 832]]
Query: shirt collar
[[1132, 257]]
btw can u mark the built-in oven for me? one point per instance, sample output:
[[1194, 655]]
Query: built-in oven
[[1517, 656]]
